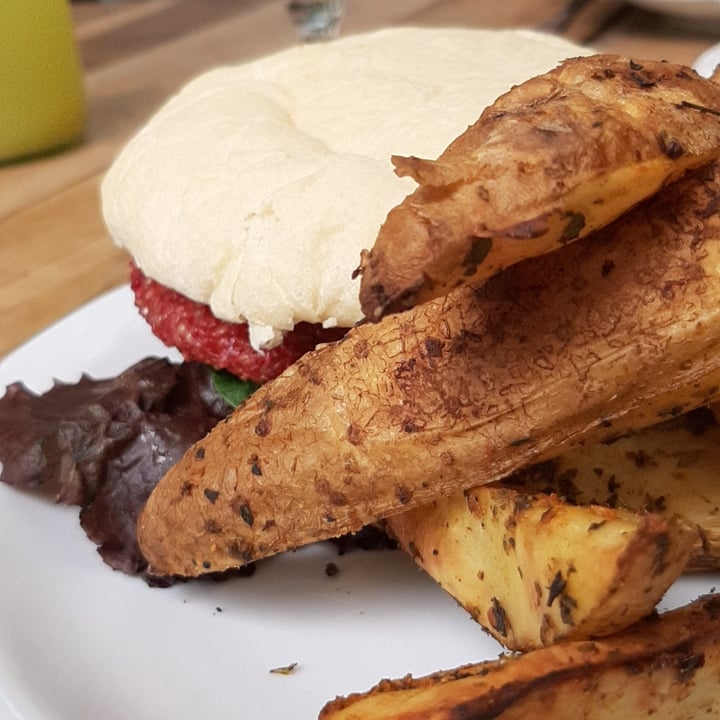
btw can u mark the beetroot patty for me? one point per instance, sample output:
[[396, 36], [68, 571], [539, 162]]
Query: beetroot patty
[[191, 327]]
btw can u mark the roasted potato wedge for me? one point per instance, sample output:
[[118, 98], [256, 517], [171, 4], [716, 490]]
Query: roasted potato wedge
[[580, 344], [556, 550], [671, 469], [534, 570], [666, 668], [549, 162]]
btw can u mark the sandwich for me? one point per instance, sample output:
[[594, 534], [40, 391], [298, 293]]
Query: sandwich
[[246, 201]]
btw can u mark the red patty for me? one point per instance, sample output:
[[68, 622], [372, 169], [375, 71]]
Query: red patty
[[191, 327]]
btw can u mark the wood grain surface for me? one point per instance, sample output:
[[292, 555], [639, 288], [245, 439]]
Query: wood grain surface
[[55, 253]]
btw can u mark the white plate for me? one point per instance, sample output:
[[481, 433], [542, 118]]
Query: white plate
[[689, 9], [80, 642], [707, 61]]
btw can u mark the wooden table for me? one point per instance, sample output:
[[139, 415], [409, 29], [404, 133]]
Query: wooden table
[[55, 253]]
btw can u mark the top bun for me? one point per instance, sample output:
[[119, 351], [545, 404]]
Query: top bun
[[256, 187]]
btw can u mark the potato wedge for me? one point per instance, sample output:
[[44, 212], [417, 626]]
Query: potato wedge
[[549, 162], [671, 469], [583, 343], [533, 570], [666, 668], [555, 551]]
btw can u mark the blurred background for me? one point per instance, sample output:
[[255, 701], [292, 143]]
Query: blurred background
[[54, 251]]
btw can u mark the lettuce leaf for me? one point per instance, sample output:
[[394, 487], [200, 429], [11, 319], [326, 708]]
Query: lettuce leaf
[[231, 389]]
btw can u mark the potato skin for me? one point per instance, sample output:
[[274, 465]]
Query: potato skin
[[666, 667], [549, 162], [601, 336]]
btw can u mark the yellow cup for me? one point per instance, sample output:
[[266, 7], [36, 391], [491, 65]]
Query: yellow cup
[[42, 94]]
